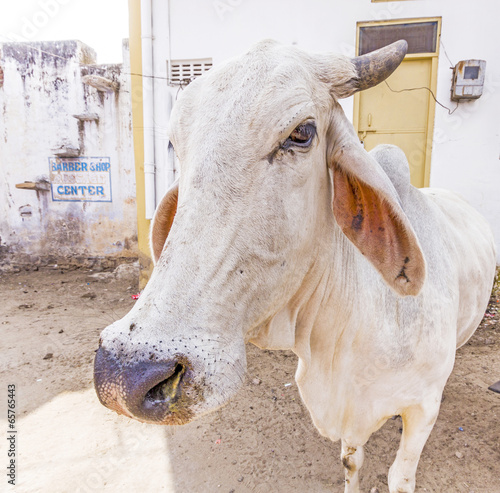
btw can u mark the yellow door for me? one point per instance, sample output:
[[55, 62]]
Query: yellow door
[[391, 114]]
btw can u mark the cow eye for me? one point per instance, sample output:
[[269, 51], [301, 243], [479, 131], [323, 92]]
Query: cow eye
[[302, 136]]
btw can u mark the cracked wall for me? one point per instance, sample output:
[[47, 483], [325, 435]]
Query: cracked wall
[[49, 112]]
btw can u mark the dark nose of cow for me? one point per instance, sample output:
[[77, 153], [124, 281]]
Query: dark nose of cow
[[149, 391]]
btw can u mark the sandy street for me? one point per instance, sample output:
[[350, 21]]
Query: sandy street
[[262, 441]]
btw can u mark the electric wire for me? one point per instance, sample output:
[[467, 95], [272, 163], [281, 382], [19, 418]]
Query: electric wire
[[184, 83], [450, 112]]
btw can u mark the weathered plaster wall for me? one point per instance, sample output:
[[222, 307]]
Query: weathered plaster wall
[[46, 111]]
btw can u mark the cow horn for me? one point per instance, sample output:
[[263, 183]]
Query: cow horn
[[376, 66]]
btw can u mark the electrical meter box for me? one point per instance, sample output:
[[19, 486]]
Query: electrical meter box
[[468, 80]]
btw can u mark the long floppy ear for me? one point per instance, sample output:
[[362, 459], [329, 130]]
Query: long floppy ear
[[365, 202], [162, 220], [366, 207]]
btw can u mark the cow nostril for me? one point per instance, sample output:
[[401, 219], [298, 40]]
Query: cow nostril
[[167, 390]]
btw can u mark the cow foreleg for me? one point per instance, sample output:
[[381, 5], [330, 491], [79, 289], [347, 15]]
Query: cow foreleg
[[352, 460], [418, 422]]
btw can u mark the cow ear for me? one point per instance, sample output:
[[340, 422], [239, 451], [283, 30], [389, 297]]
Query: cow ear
[[162, 220], [366, 207]]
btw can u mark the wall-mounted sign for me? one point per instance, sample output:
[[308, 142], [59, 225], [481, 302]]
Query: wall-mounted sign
[[80, 179]]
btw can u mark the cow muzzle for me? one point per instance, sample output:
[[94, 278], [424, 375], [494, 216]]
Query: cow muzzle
[[160, 392]]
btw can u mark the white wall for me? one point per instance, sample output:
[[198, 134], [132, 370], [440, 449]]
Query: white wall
[[466, 152], [466, 145], [42, 90]]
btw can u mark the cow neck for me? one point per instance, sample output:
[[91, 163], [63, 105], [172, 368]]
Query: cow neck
[[331, 306]]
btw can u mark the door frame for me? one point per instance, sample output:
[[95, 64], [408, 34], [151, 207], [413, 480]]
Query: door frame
[[433, 56]]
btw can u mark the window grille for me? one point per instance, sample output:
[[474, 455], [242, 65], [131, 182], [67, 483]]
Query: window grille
[[421, 36], [184, 71]]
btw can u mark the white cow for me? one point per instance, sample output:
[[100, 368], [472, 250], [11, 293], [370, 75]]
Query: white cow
[[284, 232]]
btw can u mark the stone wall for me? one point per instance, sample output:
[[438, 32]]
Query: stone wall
[[67, 179]]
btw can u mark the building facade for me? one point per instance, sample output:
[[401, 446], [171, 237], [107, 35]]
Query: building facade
[[67, 184], [450, 143]]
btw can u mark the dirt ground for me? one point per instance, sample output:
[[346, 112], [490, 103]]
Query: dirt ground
[[262, 441]]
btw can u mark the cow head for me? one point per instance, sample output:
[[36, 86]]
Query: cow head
[[269, 170]]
